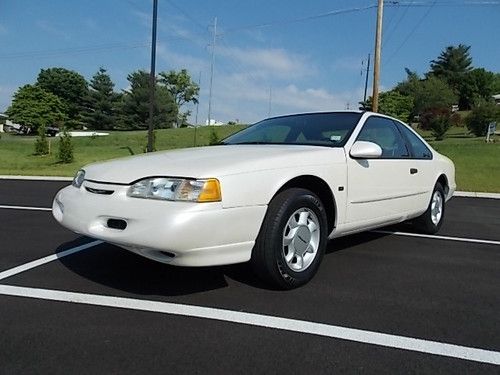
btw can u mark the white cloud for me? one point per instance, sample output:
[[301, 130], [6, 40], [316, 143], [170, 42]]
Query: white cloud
[[270, 60], [243, 78], [52, 29]]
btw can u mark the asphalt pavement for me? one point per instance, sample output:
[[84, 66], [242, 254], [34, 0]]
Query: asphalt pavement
[[444, 291]]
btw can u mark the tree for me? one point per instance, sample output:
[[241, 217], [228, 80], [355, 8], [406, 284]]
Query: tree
[[392, 103], [432, 93], [452, 65], [41, 143], [34, 107], [135, 104], [65, 153], [183, 90], [476, 85], [495, 86], [437, 120], [101, 102], [69, 86], [480, 116]]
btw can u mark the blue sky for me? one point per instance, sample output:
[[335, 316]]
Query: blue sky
[[307, 65]]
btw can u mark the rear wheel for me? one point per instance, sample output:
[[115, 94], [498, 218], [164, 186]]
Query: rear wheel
[[430, 221], [292, 240]]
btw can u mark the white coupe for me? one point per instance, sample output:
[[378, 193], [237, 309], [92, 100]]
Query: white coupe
[[272, 194]]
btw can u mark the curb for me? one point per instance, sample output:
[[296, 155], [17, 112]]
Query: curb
[[36, 178], [471, 194], [464, 194]]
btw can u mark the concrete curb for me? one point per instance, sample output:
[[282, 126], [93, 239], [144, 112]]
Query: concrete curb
[[466, 194], [35, 178], [471, 194]]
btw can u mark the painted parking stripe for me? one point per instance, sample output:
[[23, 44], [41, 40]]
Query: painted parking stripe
[[436, 237], [267, 321], [47, 259], [9, 207]]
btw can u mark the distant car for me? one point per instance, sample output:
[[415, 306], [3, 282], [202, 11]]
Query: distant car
[[271, 194], [51, 131]]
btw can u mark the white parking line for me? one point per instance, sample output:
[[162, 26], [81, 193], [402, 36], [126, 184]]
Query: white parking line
[[436, 237], [47, 259], [267, 321], [8, 207]]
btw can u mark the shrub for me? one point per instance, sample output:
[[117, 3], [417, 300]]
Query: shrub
[[65, 154], [481, 115], [41, 143], [456, 120], [214, 139], [437, 120]]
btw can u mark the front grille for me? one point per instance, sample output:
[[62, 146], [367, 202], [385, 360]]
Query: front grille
[[99, 191]]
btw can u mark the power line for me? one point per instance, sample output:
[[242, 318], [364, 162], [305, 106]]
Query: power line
[[411, 32], [302, 19], [188, 16]]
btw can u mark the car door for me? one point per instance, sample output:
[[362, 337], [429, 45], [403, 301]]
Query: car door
[[424, 176], [380, 189]]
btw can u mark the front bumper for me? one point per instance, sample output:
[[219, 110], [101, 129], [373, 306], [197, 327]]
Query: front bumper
[[178, 233]]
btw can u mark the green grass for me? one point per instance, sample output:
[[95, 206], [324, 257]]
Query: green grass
[[16, 152], [477, 163]]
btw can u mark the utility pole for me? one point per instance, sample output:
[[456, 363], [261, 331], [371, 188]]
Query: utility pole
[[196, 117], [366, 78], [212, 71], [378, 47], [152, 79]]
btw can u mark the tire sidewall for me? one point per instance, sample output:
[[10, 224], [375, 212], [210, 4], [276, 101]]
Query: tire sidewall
[[302, 199]]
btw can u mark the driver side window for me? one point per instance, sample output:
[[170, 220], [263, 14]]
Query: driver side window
[[383, 132]]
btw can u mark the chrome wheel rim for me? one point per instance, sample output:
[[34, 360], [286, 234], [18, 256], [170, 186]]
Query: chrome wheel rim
[[301, 239], [436, 207]]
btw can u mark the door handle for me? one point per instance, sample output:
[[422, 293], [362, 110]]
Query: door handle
[[413, 170]]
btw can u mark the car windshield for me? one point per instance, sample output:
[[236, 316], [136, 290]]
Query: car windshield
[[320, 129]]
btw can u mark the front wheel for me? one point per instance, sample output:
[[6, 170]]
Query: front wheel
[[292, 240], [432, 219]]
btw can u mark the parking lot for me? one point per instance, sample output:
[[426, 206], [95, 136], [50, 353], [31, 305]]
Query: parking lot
[[382, 302]]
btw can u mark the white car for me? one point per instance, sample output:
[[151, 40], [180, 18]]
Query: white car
[[272, 194]]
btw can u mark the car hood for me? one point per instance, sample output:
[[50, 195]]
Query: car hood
[[213, 161]]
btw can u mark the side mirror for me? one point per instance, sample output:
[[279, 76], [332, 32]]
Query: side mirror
[[365, 150]]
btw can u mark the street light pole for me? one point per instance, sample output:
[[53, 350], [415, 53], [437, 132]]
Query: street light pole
[[366, 78], [152, 79], [212, 71], [378, 47]]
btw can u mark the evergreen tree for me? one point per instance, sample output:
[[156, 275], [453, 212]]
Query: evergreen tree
[[101, 102], [135, 104]]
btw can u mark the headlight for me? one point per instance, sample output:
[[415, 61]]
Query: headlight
[[176, 189], [79, 178]]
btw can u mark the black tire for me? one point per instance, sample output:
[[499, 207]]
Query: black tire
[[268, 256], [424, 223]]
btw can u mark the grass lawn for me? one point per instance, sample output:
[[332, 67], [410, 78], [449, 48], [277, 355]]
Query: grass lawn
[[477, 163], [16, 152]]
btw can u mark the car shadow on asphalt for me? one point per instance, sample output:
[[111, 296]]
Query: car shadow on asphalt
[[114, 267]]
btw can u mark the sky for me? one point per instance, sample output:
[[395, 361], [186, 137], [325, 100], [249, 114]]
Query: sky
[[271, 57]]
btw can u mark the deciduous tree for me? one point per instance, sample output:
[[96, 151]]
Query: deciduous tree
[[34, 107], [69, 86], [182, 88]]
